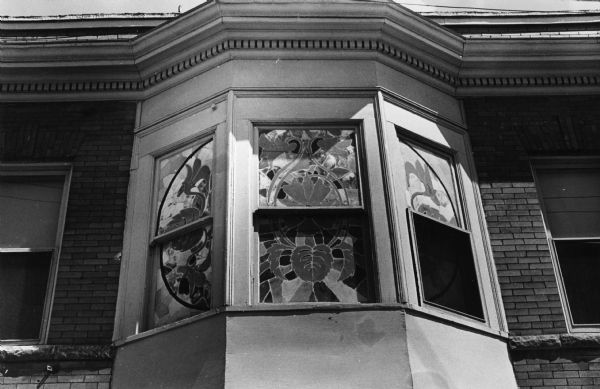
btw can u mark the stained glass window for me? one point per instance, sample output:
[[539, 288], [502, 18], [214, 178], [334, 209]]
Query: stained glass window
[[303, 168], [313, 259], [307, 256], [430, 187], [188, 194], [184, 233]]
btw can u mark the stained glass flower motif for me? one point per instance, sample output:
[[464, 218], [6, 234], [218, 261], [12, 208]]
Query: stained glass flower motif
[[188, 194], [185, 182], [430, 187], [312, 259], [186, 268], [303, 168]]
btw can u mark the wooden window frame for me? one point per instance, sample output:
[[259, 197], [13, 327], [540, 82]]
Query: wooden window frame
[[156, 240], [43, 169], [360, 212], [403, 135], [558, 163], [431, 132]]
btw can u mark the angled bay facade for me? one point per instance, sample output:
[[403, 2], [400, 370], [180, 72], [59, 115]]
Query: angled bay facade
[[313, 194]]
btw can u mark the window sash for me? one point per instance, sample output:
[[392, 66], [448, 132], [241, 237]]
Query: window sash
[[418, 264], [260, 129], [329, 271], [545, 166], [158, 200], [448, 154], [159, 240], [63, 170], [573, 291]]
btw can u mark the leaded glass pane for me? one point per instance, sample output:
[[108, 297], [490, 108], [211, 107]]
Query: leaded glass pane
[[186, 271], [168, 167], [430, 188], [313, 259], [185, 190], [301, 168], [187, 196]]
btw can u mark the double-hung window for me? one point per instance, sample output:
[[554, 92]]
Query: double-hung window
[[313, 231], [183, 231], [32, 210], [444, 255], [441, 244], [570, 192]]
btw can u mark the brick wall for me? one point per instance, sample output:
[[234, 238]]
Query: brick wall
[[505, 133], [96, 138], [558, 369], [522, 256]]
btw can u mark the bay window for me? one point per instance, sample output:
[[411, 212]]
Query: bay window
[[301, 202]]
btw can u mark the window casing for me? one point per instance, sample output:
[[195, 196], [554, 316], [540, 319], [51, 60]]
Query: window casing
[[183, 232], [442, 250], [444, 259], [311, 222], [569, 190], [33, 204]]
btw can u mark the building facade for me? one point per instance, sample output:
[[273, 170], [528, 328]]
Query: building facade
[[300, 194]]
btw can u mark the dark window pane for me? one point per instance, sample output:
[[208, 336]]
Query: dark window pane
[[580, 267], [320, 259], [447, 266], [23, 279]]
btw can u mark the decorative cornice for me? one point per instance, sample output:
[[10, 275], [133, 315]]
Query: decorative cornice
[[313, 45], [529, 81], [260, 29], [232, 45], [70, 86]]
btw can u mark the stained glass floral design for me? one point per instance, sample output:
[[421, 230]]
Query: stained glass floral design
[[312, 259], [430, 187], [300, 168], [186, 267], [188, 194], [185, 259]]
